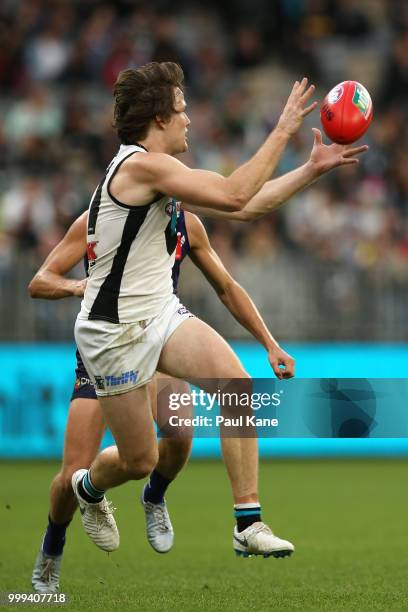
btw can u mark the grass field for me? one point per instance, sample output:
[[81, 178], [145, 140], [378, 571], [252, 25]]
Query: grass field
[[348, 520]]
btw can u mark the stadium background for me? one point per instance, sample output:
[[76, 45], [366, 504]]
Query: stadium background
[[328, 271], [328, 268]]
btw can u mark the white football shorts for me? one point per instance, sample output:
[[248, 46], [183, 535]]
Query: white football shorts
[[123, 356]]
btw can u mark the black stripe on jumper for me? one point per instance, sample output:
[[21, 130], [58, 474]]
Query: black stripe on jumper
[[105, 305], [94, 209], [96, 202]]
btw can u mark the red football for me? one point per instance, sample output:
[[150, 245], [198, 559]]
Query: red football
[[346, 112]]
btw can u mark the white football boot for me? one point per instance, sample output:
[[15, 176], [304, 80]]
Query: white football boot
[[258, 539], [159, 530], [97, 518], [46, 573]]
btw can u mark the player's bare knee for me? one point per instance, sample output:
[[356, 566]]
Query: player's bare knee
[[136, 470], [138, 467], [63, 479]]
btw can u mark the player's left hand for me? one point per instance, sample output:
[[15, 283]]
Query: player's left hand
[[277, 357], [326, 157]]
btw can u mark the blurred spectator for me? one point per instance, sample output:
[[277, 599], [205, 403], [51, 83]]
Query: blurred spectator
[[394, 90], [350, 19], [27, 213], [47, 54], [36, 115], [249, 51]]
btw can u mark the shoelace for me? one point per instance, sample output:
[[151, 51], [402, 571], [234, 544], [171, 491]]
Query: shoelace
[[261, 527], [103, 514], [46, 573], [161, 517]]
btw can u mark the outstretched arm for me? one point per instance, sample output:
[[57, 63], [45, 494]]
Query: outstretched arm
[[275, 192], [144, 176], [49, 282], [234, 297]]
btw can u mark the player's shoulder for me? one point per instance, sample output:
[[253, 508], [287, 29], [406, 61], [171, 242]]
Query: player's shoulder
[[149, 165], [146, 165]]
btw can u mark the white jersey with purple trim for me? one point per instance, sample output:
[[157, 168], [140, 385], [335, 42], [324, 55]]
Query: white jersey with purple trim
[[129, 252]]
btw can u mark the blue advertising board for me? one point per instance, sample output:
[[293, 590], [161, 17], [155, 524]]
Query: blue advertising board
[[36, 384]]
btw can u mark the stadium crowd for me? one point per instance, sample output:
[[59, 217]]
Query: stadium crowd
[[59, 61]]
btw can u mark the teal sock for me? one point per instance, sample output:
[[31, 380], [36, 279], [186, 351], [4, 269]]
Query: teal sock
[[87, 490], [247, 514]]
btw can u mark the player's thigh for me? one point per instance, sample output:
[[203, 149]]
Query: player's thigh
[[160, 388], [152, 393], [165, 387], [83, 433], [128, 416], [195, 350]]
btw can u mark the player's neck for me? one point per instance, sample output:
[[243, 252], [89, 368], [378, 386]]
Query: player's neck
[[155, 142]]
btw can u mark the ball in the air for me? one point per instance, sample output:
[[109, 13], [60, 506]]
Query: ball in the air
[[346, 112]]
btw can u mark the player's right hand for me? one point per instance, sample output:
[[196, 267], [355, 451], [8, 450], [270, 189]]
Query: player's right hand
[[79, 288], [325, 157], [296, 110], [281, 362]]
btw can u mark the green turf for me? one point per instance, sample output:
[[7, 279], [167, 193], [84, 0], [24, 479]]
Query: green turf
[[348, 520]]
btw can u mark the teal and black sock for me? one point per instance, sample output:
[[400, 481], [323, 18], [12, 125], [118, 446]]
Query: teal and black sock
[[156, 487], [54, 538], [247, 514], [87, 490]]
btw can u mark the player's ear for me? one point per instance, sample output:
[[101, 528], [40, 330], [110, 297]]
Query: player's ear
[[160, 123]]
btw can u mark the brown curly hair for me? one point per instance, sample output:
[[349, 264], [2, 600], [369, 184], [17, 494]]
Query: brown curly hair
[[142, 94]]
